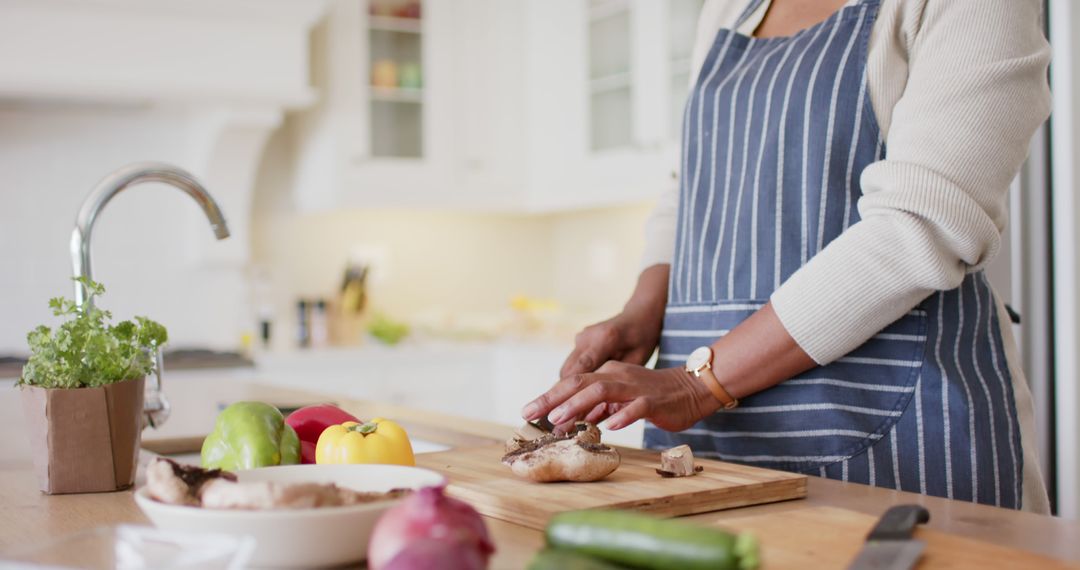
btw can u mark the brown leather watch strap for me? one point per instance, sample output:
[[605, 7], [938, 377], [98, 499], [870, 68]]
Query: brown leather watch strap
[[713, 384]]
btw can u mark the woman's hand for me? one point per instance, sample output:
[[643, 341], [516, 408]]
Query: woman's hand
[[628, 337], [624, 393]]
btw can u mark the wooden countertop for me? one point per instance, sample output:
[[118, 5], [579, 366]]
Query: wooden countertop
[[27, 516]]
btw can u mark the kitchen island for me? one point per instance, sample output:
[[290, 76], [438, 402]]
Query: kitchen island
[[824, 530]]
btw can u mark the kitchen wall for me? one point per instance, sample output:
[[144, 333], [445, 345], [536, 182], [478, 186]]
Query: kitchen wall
[[429, 263], [145, 242]]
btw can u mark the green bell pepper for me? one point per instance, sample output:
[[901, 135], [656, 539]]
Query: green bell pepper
[[249, 435]]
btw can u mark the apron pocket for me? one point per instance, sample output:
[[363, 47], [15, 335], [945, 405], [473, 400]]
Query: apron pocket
[[823, 416]]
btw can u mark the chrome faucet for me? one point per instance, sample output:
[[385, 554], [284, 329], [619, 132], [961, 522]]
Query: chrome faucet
[[155, 407]]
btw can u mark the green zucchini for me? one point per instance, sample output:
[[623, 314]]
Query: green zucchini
[[558, 559], [641, 541]]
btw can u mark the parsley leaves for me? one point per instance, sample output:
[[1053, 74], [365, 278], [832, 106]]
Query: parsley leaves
[[86, 351]]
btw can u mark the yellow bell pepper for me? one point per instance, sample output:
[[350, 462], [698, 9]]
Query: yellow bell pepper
[[377, 441]]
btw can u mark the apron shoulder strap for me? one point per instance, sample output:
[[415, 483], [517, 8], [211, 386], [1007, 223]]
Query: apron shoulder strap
[[749, 11]]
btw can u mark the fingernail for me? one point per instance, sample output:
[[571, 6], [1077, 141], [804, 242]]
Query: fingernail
[[530, 412], [556, 415]]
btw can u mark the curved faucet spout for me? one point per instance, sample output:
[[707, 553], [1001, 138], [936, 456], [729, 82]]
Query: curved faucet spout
[[117, 181], [156, 406]]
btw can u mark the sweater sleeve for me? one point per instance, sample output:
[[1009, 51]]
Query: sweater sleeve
[[934, 209]]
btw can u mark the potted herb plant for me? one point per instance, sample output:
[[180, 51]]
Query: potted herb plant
[[82, 392]]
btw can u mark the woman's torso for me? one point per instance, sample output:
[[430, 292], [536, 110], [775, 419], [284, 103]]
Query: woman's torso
[[776, 134]]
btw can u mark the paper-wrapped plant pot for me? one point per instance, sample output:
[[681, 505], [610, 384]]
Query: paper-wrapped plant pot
[[85, 440]]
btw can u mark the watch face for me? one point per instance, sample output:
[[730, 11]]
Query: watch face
[[699, 358]]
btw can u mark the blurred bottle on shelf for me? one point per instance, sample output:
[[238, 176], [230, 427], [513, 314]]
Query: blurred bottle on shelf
[[303, 324], [395, 9], [320, 326], [262, 307], [409, 10], [266, 327], [409, 76], [384, 73]]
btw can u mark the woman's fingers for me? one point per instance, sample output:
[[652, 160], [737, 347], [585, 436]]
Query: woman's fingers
[[633, 412], [599, 391], [559, 393], [597, 414], [581, 361], [624, 393], [564, 428], [592, 347]]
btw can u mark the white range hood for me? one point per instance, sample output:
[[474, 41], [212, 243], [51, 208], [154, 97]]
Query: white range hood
[[209, 51]]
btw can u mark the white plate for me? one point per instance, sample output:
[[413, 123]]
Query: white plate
[[300, 537]]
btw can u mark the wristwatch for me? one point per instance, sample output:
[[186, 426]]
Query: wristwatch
[[699, 363]]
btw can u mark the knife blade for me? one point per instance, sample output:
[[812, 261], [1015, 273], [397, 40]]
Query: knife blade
[[890, 545], [543, 424]]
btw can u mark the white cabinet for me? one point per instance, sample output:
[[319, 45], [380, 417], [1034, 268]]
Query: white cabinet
[[520, 105], [381, 135], [626, 102], [637, 91], [627, 67]]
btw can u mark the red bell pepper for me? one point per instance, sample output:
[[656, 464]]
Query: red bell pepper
[[309, 423]]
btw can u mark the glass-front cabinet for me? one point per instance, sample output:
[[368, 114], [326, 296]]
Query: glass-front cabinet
[[395, 38], [611, 85], [635, 79], [380, 134], [630, 81]]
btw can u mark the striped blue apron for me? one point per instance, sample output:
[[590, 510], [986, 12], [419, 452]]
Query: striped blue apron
[[776, 134]]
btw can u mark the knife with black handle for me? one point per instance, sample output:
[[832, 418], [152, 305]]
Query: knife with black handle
[[890, 545]]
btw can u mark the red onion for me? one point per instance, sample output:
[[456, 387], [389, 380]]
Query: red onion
[[432, 554], [429, 514]]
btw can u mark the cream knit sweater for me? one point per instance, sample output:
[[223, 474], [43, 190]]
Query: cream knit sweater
[[959, 87]]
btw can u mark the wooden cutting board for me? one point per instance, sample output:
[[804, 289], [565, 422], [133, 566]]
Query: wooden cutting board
[[478, 477], [828, 537]]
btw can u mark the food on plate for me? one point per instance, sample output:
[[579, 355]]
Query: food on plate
[[576, 455], [267, 495], [641, 541], [172, 483], [403, 536], [176, 484], [678, 462], [248, 435], [309, 423], [376, 441]]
